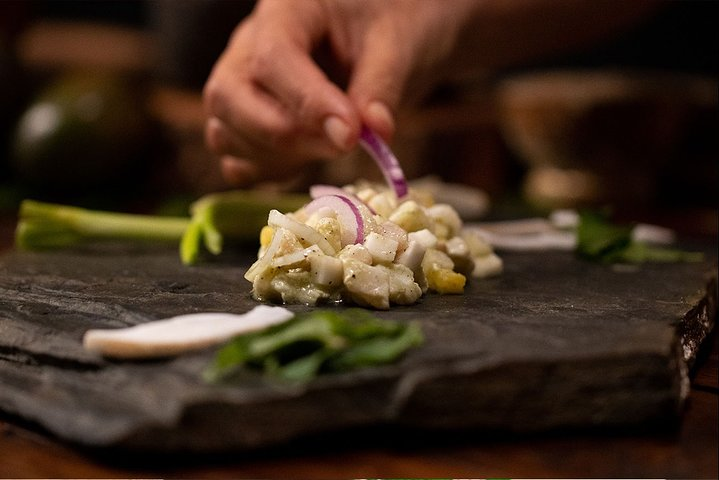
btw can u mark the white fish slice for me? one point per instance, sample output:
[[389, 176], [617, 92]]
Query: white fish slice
[[530, 242], [558, 232], [182, 333]]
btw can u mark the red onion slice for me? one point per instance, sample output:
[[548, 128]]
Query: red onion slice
[[348, 214], [387, 162], [322, 190]]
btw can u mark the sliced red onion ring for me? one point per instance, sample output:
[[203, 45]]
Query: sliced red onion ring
[[348, 214], [387, 162], [321, 190]]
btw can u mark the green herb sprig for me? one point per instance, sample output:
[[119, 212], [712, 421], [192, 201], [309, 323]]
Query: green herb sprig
[[315, 342], [600, 240]]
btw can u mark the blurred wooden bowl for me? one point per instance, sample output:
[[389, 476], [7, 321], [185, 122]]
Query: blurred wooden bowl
[[592, 137]]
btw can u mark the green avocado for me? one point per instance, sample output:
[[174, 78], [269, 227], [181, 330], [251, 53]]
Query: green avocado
[[85, 131]]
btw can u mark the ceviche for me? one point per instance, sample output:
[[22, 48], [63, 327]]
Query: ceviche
[[368, 244]]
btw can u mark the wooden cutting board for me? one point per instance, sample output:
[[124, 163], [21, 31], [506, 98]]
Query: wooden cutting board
[[553, 342]]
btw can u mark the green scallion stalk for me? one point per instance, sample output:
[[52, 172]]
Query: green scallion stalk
[[233, 216], [46, 226]]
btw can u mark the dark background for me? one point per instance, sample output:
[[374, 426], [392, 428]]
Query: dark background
[[185, 37]]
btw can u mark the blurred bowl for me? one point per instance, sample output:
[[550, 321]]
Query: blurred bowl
[[597, 137]]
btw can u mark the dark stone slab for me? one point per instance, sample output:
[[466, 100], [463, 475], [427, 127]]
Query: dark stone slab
[[554, 342]]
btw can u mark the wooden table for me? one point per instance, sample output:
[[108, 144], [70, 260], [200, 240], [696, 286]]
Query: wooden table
[[687, 451]]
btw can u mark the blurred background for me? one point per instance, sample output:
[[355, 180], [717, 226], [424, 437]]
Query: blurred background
[[100, 105]]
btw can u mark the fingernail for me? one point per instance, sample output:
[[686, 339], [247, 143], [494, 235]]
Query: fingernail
[[337, 131], [380, 115]]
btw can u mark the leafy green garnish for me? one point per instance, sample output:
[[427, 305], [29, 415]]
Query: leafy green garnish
[[600, 240], [315, 342]]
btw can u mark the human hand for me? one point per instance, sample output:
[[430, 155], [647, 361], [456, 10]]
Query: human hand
[[272, 109]]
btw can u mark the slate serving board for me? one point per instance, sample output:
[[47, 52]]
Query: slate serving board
[[553, 342]]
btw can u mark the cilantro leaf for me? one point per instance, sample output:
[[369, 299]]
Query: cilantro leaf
[[315, 342], [600, 240]]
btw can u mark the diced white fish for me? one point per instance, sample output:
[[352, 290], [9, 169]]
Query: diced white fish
[[412, 255], [383, 262], [326, 270], [382, 249]]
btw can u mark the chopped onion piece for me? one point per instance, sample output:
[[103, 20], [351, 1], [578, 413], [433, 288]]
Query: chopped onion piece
[[348, 214], [296, 257], [304, 233], [265, 260], [386, 161]]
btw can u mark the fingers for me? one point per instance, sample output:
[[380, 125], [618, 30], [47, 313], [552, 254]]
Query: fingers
[[267, 100], [378, 81], [403, 42], [317, 106], [258, 162], [241, 104], [272, 106], [223, 139]]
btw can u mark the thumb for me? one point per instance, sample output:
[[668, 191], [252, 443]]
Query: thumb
[[377, 84]]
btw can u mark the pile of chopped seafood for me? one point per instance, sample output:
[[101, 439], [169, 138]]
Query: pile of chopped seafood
[[362, 244]]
